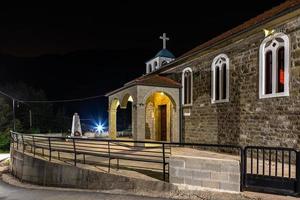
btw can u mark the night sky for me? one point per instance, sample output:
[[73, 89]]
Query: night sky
[[73, 51]]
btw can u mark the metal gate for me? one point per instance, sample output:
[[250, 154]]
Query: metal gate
[[270, 169]]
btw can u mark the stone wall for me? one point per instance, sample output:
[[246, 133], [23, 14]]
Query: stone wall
[[199, 172], [245, 119], [41, 172]]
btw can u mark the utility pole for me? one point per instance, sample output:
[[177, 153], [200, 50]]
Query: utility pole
[[30, 119], [14, 115]]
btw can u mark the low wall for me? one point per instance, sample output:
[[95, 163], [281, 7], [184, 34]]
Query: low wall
[[42, 172], [201, 172]]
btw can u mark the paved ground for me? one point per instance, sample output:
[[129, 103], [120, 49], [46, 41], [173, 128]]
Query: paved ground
[[4, 156], [16, 190], [8, 192]]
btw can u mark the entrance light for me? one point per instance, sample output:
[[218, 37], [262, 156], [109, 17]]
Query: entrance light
[[130, 99]]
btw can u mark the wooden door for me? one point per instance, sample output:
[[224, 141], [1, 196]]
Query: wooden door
[[163, 122]]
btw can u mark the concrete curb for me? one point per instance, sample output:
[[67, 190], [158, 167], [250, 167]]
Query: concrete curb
[[11, 180], [182, 195]]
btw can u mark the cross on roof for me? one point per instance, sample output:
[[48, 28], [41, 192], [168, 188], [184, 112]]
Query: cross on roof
[[164, 38]]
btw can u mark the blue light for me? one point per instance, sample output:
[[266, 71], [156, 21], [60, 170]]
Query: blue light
[[100, 128]]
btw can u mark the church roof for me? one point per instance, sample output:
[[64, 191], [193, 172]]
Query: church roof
[[164, 53], [280, 10], [153, 80]]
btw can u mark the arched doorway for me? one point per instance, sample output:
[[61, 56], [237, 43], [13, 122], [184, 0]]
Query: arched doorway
[[124, 116], [120, 117], [159, 114]]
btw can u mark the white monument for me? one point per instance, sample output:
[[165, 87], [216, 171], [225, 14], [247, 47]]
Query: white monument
[[76, 127]]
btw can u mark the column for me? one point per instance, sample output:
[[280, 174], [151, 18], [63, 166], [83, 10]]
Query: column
[[138, 122], [113, 123]]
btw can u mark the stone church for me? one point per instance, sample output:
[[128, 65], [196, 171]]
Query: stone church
[[241, 87]]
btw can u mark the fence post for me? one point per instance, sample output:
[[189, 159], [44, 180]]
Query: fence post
[[33, 143], [23, 143], [243, 167], [17, 141], [108, 148], [12, 140], [49, 141], [164, 162], [75, 156], [298, 172]]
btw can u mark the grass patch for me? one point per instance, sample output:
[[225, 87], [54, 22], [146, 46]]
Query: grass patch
[[4, 151]]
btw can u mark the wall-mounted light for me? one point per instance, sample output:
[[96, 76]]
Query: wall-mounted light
[[130, 99], [268, 32]]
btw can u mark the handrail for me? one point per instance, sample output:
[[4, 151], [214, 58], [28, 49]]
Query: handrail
[[271, 148], [110, 149], [138, 141]]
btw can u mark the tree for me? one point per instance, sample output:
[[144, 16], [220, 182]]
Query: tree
[[45, 118], [6, 124]]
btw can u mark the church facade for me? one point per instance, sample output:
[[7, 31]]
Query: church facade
[[242, 87]]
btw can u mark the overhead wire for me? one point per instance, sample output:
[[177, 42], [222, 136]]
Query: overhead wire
[[51, 101]]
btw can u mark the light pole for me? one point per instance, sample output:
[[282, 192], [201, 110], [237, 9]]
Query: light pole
[[14, 109], [30, 119], [14, 115]]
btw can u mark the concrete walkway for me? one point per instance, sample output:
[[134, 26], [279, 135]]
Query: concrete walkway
[[16, 190], [4, 156]]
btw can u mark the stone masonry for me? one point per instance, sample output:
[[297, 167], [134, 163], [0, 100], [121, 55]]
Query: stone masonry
[[200, 172], [245, 119]]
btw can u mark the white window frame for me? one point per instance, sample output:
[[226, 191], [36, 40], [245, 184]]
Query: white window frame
[[156, 66], [149, 68], [183, 86], [213, 76], [262, 58]]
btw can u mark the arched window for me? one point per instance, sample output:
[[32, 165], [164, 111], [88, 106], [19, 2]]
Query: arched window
[[155, 65], [274, 62], [149, 68], [164, 62], [187, 86], [220, 79]]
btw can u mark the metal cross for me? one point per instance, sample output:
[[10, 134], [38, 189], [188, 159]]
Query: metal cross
[[164, 38]]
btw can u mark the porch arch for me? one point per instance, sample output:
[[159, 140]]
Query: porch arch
[[160, 116], [159, 90], [127, 97], [113, 118]]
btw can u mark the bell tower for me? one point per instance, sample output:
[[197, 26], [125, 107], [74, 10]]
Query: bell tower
[[163, 57]]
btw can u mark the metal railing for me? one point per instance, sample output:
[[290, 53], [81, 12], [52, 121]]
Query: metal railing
[[79, 148], [268, 169], [272, 169]]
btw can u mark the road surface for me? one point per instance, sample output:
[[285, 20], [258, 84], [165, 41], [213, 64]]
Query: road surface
[[9, 192]]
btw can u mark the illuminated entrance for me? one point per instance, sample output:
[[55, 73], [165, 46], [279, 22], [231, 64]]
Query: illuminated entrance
[[154, 108], [159, 113]]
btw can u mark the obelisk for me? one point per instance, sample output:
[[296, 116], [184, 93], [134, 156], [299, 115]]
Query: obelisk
[[76, 127]]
